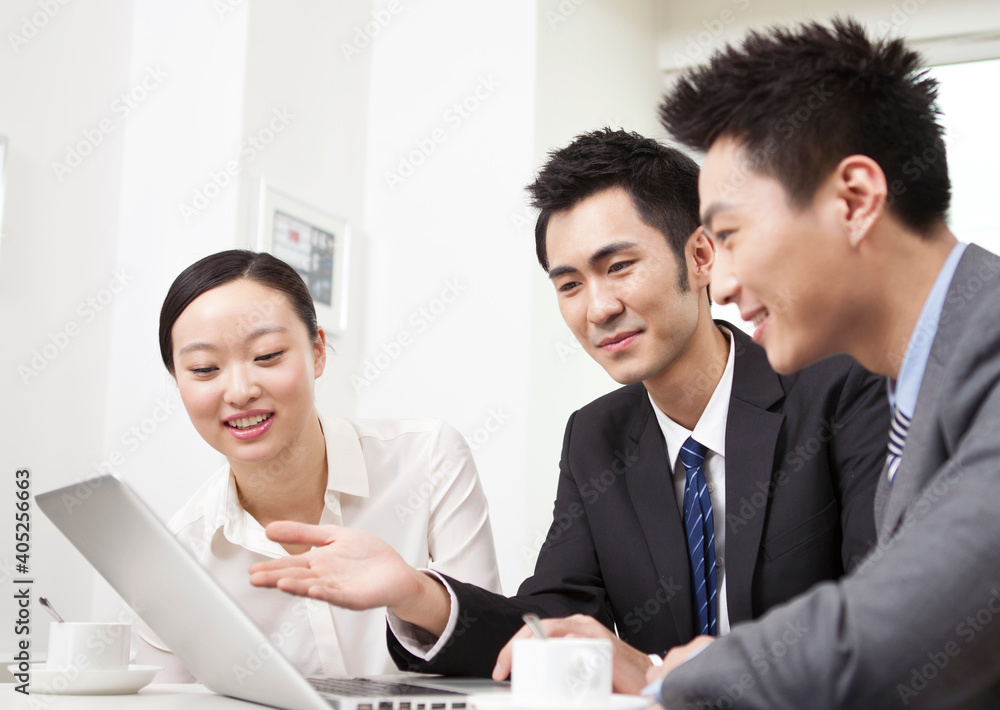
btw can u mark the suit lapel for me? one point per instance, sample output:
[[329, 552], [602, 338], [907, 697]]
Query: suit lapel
[[652, 492], [751, 436], [882, 491], [920, 458]]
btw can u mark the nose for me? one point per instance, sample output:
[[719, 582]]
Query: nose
[[604, 303], [241, 386], [725, 285]]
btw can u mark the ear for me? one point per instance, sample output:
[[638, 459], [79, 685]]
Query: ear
[[700, 252], [319, 352], [861, 188]]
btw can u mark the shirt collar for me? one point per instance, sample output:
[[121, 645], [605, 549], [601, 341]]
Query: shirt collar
[[346, 474], [710, 431], [346, 470], [903, 392]]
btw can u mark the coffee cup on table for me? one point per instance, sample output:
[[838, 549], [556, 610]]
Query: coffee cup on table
[[561, 671], [88, 646]]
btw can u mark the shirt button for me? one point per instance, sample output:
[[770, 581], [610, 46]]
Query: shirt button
[[720, 562], [711, 488]]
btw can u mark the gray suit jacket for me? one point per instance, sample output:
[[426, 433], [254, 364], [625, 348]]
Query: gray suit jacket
[[917, 624]]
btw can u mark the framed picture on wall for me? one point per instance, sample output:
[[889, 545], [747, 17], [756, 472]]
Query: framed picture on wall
[[314, 242]]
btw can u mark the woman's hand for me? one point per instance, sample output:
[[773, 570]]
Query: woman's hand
[[353, 569]]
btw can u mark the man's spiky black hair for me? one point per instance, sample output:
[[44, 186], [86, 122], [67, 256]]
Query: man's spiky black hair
[[662, 182], [800, 100]]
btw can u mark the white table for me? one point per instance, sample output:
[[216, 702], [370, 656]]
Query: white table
[[152, 697]]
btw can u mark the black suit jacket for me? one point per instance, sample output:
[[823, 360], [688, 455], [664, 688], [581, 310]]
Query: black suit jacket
[[803, 455]]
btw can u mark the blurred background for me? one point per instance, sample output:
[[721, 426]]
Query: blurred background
[[137, 131]]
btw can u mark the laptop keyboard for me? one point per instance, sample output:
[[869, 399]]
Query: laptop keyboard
[[365, 688]]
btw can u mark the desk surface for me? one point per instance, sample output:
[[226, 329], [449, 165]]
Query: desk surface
[[155, 697]]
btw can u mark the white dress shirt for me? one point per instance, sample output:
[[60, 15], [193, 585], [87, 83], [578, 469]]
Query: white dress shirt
[[710, 431], [411, 482]]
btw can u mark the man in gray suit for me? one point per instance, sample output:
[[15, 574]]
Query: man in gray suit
[[825, 187]]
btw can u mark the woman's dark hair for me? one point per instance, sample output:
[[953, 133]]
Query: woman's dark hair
[[218, 270]]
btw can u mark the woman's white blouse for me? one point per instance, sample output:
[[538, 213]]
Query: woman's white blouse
[[411, 482]]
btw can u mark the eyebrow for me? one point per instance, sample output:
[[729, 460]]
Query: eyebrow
[[258, 332], [711, 211], [602, 253]]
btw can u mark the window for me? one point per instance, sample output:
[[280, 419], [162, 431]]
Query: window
[[970, 103]]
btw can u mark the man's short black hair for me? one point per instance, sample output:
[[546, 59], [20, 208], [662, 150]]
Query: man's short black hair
[[662, 182], [800, 100]]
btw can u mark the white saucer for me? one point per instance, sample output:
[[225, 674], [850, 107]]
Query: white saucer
[[69, 682], [505, 701]]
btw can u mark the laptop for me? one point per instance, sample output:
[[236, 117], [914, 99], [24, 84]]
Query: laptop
[[180, 601]]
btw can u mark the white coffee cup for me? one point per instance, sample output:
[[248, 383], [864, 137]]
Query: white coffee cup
[[89, 646], [561, 671]]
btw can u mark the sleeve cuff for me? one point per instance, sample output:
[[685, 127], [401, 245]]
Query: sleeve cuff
[[420, 642], [655, 689]]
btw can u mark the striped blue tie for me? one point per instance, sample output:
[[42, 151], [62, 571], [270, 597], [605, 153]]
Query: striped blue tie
[[897, 438], [700, 530]]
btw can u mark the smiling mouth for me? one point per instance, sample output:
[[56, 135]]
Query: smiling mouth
[[760, 322], [618, 342], [248, 422]]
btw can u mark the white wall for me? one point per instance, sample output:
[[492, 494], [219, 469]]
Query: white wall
[[596, 68], [689, 32], [58, 250], [171, 152], [296, 62], [973, 146], [450, 142]]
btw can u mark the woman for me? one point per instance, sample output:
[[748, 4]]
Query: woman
[[238, 333]]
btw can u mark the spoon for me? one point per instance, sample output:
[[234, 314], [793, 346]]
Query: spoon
[[48, 605], [535, 624]]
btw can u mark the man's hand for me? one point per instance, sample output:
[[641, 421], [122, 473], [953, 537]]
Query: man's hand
[[676, 656], [629, 665], [353, 569]]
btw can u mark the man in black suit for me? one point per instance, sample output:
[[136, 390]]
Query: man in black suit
[[788, 464]]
